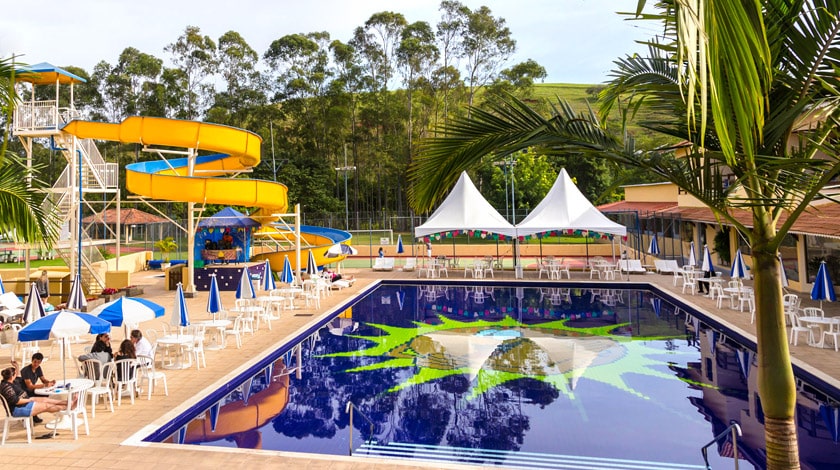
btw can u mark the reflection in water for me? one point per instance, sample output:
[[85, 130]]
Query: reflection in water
[[597, 373]]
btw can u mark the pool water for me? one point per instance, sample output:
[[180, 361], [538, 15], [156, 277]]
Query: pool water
[[512, 376]]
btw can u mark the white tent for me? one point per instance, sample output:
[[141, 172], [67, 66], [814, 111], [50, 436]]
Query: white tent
[[465, 209], [566, 208]]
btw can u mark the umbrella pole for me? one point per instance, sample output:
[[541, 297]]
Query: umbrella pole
[[63, 361]]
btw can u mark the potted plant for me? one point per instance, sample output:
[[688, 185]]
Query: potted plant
[[166, 246]]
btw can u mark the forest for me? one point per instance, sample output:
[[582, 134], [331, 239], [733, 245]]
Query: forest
[[341, 121]]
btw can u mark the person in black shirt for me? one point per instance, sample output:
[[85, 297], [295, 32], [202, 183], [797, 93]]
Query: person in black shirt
[[103, 344], [19, 404]]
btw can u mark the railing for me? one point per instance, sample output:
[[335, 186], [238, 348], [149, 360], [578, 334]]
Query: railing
[[733, 428], [349, 409]]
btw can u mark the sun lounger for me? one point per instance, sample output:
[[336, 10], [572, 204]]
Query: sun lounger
[[631, 266], [341, 284], [666, 266], [410, 264], [383, 264]]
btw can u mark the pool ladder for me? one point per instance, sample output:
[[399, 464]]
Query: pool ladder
[[734, 429], [349, 409]]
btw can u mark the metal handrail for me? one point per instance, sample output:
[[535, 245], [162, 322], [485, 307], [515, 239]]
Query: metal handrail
[[735, 429], [349, 409]]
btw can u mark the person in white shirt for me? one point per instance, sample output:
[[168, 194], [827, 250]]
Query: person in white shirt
[[142, 346]]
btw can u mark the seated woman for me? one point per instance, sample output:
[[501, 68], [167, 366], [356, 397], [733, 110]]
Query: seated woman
[[19, 404], [126, 351], [103, 344]]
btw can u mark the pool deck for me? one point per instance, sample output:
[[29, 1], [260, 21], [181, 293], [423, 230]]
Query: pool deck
[[109, 443]]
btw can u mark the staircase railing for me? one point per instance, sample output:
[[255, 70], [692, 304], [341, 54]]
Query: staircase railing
[[349, 409]]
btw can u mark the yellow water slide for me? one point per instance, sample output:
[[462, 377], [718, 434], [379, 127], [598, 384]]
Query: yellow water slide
[[236, 150]]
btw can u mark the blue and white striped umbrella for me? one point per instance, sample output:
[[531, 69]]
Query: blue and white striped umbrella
[[214, 415], [62, 325], [831, 416], [268, 278], [214, 300], [653, 248], [823, 288], [34, 308], [400, 248], [311, 266], [739, 269], [287, 276], [180, 316], [245, 288], [782, 273], [745, 358], [692, 258], [2, 288], [708, 264], [77, 300], [657, 306], [128, 310]]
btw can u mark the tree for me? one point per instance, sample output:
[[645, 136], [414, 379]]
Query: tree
[[740, 80], [195, 55], [518, 80], [22, 218], [487, 44], [450, 31]]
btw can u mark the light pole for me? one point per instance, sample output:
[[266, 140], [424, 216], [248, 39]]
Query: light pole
[[346, 169], [509, 163]]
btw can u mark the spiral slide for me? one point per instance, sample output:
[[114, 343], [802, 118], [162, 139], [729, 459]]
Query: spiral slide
[[238, 150]]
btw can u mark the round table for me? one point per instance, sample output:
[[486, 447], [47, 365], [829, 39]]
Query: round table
[[819, 323], [59, 391], [219, 326], [180, 341]]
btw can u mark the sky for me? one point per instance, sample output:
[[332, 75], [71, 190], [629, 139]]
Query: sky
[[575, 40]]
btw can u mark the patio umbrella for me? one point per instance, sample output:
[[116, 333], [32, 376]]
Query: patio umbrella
[[692, 258], [311, 267], [268, 278], [286, 276], [245, 289], [77, 300], [62, 325], [214, 300], [708, 265], [340, 249], [823, 288], [657, 306], [653, 248], [782, 273], [2, 288], [34, 308], [739, 269], [745, 357], [400, 248], [128, 311], [180, 317], [831, 416]]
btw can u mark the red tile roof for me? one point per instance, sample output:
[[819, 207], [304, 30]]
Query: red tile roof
[[127, 217]]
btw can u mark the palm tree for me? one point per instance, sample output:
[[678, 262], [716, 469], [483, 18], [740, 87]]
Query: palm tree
[[21, 216], [751, 86]]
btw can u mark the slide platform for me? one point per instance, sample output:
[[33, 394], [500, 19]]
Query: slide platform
[[237, 150]]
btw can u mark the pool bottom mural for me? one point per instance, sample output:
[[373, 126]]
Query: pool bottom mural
[[596, 376]]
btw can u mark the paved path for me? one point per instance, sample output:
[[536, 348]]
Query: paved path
[[104, 448]]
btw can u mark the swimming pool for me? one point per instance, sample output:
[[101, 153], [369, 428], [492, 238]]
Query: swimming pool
[[573, 376]]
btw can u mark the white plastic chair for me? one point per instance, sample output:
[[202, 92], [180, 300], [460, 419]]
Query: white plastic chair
[[101, 375], [813, 312], [236, 331], [796, 328], [75, 410], [8, 419], [833, 331], [689, 282], [543, 268], [151, 375], [126, 379]]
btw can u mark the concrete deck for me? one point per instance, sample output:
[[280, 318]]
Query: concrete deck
[[107, 446]]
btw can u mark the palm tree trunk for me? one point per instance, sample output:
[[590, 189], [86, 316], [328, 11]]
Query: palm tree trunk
[[776, 383]]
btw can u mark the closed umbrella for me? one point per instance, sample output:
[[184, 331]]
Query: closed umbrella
[[62, 325], [311, 266], [245, 289], [128, 311], [831, 416], [2, 288], [657, 306], [400, 248], [268, 278], [653, 248], [180, 317], [287, 276], [34, 308], [77, 300], [708, 265], [739, 269], [214, 300], [823, 288], [692, 258]]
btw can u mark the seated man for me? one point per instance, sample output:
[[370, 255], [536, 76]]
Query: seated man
[[142, 346], [32, 374], [19, 404]]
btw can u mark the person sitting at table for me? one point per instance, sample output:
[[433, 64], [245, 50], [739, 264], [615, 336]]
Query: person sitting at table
[[704, 285], [103, 344], [21, 405], [32, 374], [142, 346], [126, 351]]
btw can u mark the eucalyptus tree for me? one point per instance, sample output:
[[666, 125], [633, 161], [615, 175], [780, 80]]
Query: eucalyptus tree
[[195, 56], [450, 33], [416, 53], [21, 216], [123, 85], [752, 86], [244, 84], [486, 46]]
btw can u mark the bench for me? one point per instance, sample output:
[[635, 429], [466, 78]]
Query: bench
[[383, 264]]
